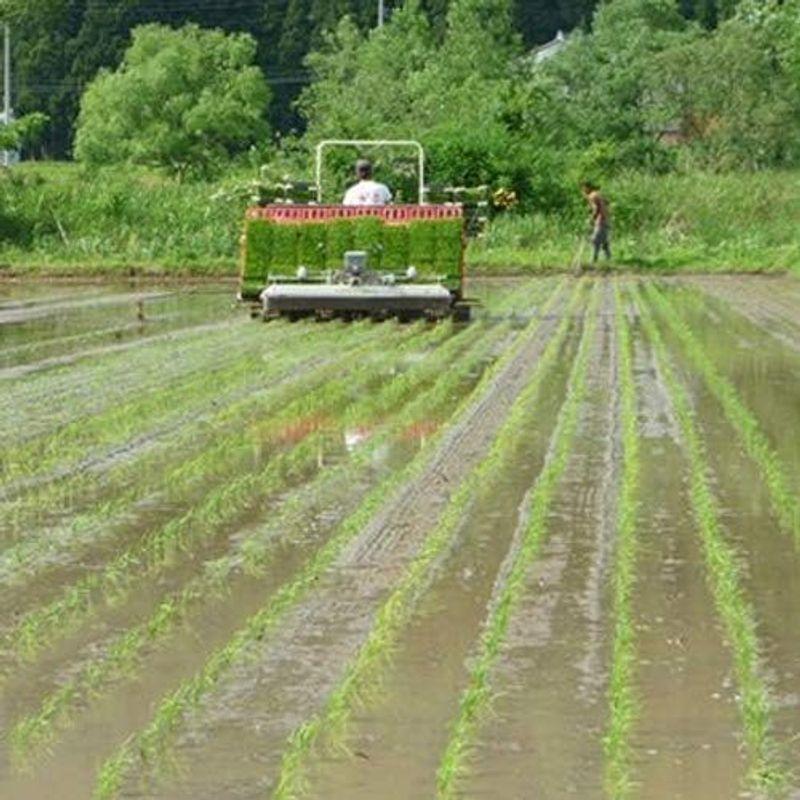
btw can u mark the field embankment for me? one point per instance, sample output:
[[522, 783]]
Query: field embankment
[[61, 220]]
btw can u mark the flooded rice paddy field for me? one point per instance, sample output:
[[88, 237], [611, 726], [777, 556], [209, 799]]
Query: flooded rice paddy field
[[553, 553]]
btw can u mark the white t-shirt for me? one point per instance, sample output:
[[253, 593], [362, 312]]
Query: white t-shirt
[[367, 193]]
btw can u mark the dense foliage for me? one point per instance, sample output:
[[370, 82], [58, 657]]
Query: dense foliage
[[640, 90], [184, 99], [59, 45], [645, 88]]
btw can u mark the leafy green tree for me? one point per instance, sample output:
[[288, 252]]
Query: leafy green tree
[[183, 99], [597, 92], [736, 91], [22, 132], [402, 81], [365, 85]]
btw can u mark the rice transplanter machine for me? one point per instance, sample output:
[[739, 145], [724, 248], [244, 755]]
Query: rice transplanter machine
[[332, 260]]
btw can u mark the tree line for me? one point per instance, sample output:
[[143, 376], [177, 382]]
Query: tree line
[[59, 45]]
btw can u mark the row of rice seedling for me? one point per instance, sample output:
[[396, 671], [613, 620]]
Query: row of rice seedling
[[285, 378], [735, 611], [110, 376], [148, 746], [95, 384], [222, 504], [86, 337], [476, 698], [364, 669], [115, 426], [87, 388], [125, 652], [227, 454], [621, 698], [75, 441], [784, 500], [230, 455], [31, 352]]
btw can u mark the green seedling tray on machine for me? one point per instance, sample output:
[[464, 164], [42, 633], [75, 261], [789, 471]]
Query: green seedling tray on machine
[[279, 239]]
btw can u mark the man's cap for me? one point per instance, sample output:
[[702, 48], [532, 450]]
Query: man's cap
[[363, 166]]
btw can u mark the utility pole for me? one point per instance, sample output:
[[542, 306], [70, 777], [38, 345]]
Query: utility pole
[[6, 85], [381, 11]]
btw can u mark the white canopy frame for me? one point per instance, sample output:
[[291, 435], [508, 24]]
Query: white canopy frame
[[326, 143]]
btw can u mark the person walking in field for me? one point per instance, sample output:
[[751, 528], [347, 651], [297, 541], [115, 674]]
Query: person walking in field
[[598, 210], [366, 192]]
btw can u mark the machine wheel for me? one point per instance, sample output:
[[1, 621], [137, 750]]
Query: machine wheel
[[461, 313]]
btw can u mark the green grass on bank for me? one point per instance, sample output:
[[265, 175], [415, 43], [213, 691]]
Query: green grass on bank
[[59, 219], [62, 219], [699, 222]]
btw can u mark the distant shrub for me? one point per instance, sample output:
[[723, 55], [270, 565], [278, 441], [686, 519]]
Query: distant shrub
[[183, 99]]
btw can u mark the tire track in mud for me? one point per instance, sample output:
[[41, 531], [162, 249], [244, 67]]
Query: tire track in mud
[[543, 736], [301, 659], [9, 301], [686, 738]]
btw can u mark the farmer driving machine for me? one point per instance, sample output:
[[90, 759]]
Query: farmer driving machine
[[325, 260]]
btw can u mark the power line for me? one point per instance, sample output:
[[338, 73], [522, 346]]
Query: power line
[[49, 87]]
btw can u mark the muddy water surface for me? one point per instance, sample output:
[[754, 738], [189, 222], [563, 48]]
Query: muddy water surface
[[686, 741], [405, 732], [68, 353]]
